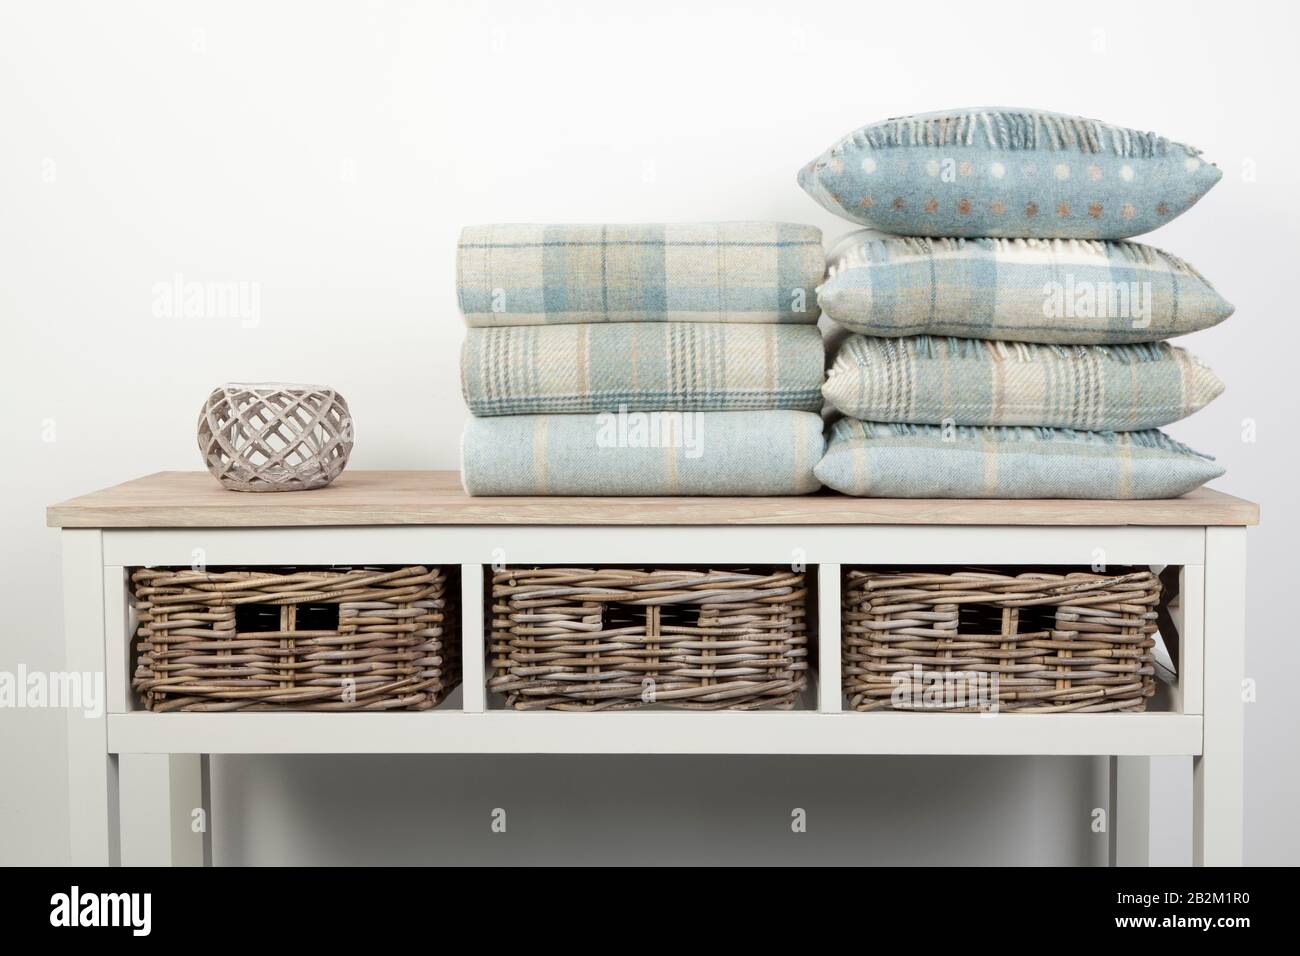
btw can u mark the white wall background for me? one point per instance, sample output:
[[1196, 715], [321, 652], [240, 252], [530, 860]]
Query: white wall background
[[330, 152]]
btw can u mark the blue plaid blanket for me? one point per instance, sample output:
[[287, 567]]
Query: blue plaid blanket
[[665, 272]]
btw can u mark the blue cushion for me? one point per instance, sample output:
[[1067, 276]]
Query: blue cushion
[[877, 460], [930, 381], [1007, 172], [1068, 291]]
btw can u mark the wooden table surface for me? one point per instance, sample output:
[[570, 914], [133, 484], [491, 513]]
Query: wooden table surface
[[193, 499]]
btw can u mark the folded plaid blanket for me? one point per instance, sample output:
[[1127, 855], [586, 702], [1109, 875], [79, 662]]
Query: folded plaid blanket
[[643, 453], [925, 380], [664, 272], [646, 366], [877, 460], [1069, 291]]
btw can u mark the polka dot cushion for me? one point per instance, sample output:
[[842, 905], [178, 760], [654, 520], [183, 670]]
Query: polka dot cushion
[[1000, 172]]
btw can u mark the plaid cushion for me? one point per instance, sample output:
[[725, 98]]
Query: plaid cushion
[[1007, 173], [636, 453], [666, 272], [929, 381], [1029, 290], [646, 366], [877, 460]]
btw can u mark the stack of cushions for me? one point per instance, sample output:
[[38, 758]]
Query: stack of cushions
[[1008, 344], [672, 359]]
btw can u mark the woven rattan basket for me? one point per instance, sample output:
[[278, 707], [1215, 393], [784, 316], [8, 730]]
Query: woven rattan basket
[[295, 639], [970, 640], [618, 638]]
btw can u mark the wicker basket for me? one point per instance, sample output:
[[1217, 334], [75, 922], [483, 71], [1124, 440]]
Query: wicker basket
[[617, 638], [295, 639], [970, 640]]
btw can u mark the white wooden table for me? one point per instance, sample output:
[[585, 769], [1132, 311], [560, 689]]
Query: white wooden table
[[137, 778]]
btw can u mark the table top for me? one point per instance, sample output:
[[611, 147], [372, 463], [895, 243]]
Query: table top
[[193, 499]]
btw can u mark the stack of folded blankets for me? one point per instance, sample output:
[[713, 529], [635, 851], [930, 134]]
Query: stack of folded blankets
[[1008, 343], [674, 359]]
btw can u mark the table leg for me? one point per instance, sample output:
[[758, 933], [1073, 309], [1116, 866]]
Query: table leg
[[164, 811], [1130, 811], [1217, 789], [92, 770]]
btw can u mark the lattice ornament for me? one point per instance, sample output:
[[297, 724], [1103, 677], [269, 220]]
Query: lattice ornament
[[275, 437]]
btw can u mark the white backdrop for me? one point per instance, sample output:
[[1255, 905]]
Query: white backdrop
[[327, 154]]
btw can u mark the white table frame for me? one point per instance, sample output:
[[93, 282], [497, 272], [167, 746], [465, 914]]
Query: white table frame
[[137, 778]]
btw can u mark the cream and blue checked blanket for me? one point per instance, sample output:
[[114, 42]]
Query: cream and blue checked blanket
[[665, 272], [643, 454], [1069, 291], [929, 381], [877, 460], [645, 366]]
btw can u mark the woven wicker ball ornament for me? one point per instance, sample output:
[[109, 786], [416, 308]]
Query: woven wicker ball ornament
[[273, 437]]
